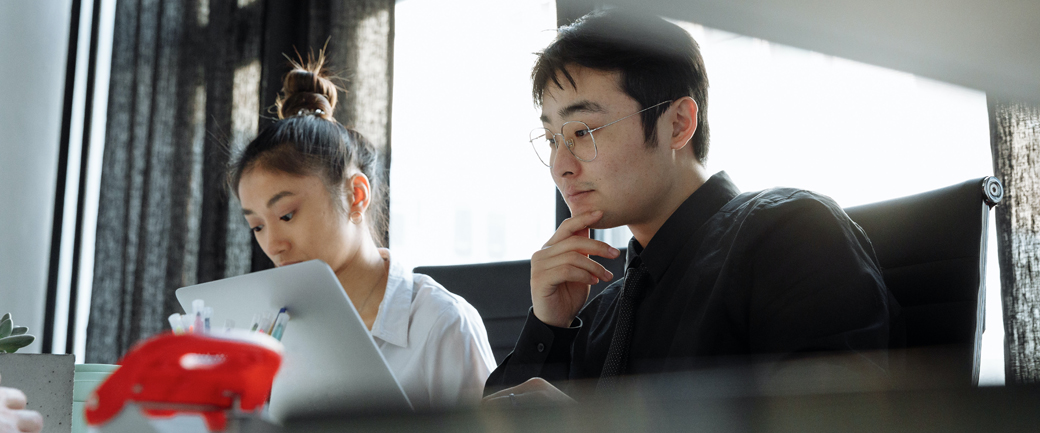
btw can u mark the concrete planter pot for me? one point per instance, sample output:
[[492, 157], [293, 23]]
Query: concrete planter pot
[[47, 382]]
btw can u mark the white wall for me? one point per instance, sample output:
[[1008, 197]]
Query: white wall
[[33, 45]]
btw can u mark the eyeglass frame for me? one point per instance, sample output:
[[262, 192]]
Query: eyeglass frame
[[595, 147]]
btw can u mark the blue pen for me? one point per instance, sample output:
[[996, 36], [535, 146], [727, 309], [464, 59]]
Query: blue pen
[[279, 324]]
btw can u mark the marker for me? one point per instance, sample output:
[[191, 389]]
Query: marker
[[207, 313], [197, 306], [175, 324], [279, 324], [265, 323], [186, 323]]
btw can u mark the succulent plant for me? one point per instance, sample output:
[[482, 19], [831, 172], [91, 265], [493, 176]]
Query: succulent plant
[[13, 337]]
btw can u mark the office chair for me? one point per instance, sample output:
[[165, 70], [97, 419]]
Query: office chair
[[501, 292], [931, 247], [932, 251]]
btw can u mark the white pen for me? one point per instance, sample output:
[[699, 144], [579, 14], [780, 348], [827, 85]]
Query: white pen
[[175, 323]]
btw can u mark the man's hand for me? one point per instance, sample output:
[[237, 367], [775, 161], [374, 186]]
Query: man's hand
[[14, 418], [535, 392], [562, 272]]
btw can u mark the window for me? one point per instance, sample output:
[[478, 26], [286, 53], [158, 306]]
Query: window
[[782, 116], [466, 186]]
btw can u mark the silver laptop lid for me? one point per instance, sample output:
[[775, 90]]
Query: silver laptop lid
[[331, 364]]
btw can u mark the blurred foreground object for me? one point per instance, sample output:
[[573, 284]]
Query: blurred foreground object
[[207, 375], [47, 381]]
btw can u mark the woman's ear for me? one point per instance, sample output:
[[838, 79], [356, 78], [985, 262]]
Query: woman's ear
[[360, 192], [684, 122]]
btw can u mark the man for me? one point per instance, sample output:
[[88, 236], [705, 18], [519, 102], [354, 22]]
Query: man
[[14, 417], [713, 276]]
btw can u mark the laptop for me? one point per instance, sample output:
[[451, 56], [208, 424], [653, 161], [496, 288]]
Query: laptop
[[331, 364]]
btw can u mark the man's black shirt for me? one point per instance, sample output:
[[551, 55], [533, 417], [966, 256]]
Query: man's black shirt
[[770, 276]]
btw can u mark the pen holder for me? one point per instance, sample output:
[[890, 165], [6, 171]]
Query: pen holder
[[205, 374]]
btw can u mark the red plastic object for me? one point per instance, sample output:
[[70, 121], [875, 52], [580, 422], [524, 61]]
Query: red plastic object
[[191, 373]]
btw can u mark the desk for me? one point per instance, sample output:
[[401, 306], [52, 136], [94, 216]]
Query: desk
[[1003, 409]]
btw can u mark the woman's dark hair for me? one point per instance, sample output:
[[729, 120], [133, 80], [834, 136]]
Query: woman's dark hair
[[307, 140], [657, 61]]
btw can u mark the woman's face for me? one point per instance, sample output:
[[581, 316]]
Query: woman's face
[[294, 219]]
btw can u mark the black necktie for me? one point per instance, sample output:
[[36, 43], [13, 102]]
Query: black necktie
[[636, 281]]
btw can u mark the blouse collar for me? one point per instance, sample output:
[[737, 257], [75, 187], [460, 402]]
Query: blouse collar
[[391, 323]]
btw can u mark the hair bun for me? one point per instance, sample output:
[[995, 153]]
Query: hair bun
[[307, 89]]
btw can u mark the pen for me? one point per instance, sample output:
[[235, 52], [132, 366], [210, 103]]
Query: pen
[[207, 313], [197, 306], [175, 323], [279, 324], [275, 321], [265, 322]]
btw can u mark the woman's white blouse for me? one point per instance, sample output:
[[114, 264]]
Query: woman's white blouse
[[433, 340]]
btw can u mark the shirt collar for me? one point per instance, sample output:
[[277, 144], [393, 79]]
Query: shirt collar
[[391, 323], [677, 230]]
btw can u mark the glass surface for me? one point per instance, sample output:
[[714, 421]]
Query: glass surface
[[477, 194], [783, 116]]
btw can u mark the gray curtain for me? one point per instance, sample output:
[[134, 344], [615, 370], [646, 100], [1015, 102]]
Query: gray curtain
[[192, 82], [1015, 143]]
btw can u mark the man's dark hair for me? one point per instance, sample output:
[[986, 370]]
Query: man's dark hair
[[657, 61]]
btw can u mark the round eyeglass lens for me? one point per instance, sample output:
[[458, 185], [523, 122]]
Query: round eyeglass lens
[[542, 142], [579, 140]]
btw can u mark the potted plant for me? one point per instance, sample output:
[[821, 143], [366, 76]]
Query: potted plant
[[13, 337]]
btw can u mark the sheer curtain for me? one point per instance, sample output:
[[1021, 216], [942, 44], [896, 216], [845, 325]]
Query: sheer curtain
[[192, 81], [1015, 141]]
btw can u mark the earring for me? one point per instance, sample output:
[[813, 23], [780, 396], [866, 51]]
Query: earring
[[356, 217]]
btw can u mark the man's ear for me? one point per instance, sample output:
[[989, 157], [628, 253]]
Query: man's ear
[[360, 192], [684, 122]]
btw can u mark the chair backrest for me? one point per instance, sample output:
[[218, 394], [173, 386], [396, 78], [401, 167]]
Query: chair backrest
[[501, 293], [932, 251]]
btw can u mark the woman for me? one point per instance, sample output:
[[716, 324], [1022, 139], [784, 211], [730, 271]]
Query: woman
[[307, 185]]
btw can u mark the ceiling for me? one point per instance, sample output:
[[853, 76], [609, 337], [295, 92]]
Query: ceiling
[[991, 45]]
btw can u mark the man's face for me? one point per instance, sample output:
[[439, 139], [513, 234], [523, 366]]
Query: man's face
[[625, 180]]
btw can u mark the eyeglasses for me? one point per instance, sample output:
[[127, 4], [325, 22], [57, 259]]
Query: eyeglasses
[[576, 135]]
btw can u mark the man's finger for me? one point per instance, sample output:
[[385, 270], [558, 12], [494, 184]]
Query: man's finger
[[586, 246], [500, 394], [576, 260], [572, 225], [500, 401], [30, 421], [532, 384], [12, 398]]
